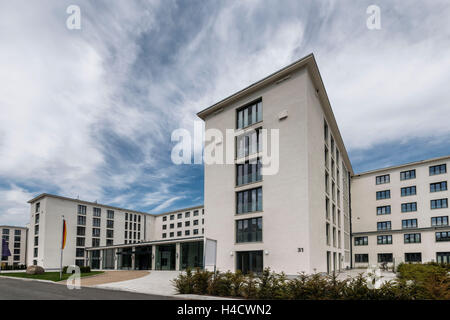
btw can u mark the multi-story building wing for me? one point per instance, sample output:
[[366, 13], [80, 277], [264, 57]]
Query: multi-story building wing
[[400, 214], [107, 237], [297, 219], [16, 239]]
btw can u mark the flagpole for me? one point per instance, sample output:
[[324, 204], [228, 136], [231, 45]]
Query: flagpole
[[62, 249]]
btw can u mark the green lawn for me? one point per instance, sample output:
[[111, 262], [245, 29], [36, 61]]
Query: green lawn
[[52, 276]]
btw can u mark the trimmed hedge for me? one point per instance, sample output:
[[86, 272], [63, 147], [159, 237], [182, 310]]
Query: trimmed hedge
[[82, 269], [19, 267], [273, 286]]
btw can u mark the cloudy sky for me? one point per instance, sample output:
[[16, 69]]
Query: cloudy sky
[[90, 112]]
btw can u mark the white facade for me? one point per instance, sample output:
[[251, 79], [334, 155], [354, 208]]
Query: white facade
[[93, 225], [293, 211], [16, 238], [404, 224]]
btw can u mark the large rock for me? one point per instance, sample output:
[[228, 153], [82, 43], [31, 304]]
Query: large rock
[[35, 270]]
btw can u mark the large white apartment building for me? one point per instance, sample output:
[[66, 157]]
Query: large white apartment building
[[312, 214], [400, 214], [299, 218]]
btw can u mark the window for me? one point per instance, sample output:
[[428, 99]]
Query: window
[[110, 224], [80, 242], [384, 239], [17, 245], [187, 233], [80, 253], [36, 241], [187, 223], [187, 214], [327, 208], [5, 231], [325, 131], [165, 218], [326, 157], [81, 220], [95, 232], [81, 231], [385, 225], [249, 200], [249, 143], [407, 175], [409, 207], [195, 222], [385, 257], [439, 204], [16, 251], [438, 186], [109, 242], [442, 236], [35, 253], [81, 209], [361, 241], [248, 172], [17, 232], [179, 224], [249, 230], [327, 183], [332, 145], [172, 217], [172, 225], [383, 179], [110, 233], [249, 115], [386, 194], [327, 230], [412, 238], [439, 221], [439, 169], [413, 257], [97, 212], [38, 207], [36, 229], [383, 210], [408, 191], [179, 234], [443, 257], [171, 234], [36, 218], [126, 215], [195, 213], [410, 223], [179, 216], [164, 235], [16, 258], [110, 214], [195, 231], [96, 222]]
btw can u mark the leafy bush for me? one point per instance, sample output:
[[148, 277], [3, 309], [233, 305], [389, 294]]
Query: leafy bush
[[17, 267], [415, 282]]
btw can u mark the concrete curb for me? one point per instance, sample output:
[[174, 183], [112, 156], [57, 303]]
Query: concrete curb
[[28, 279]]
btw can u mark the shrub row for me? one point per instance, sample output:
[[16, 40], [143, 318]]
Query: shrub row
[[18, 267], [272, 286], [82, 269]]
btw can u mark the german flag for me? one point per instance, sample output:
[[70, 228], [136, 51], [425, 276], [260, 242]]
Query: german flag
[[64, 235]]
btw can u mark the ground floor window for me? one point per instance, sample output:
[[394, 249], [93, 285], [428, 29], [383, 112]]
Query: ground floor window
[[413, 257], [361, 258], [249, 261], [191, 255], [79, 262], [95, 259], [385, 257], [108, 259], [143, 258], [443, 257]]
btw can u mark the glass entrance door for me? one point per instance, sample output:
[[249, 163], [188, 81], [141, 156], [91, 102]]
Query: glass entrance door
[[143, 258], [165, 257]]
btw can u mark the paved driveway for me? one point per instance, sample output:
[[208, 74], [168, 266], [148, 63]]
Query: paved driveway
[[15, 289], [155, 282], [111, 277]]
